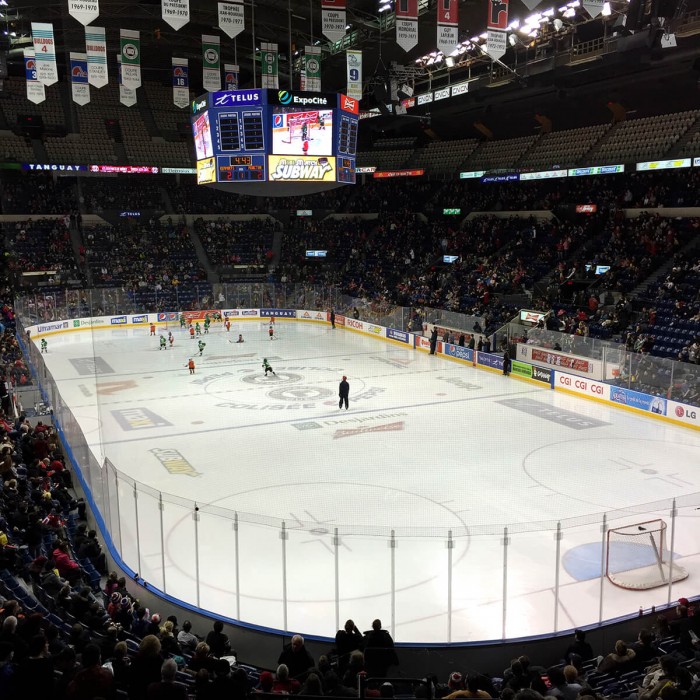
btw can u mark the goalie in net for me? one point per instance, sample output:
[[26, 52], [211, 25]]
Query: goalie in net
[[299, 127], [637, 557]]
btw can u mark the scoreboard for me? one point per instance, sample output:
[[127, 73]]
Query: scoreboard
[[277, 137]]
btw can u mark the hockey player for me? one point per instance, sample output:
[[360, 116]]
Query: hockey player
[[207, 323], [191, 332], [271, 331], [227, 326], [266, 366], [44, 346], [153, 329], [197, 328], [190, 364], [240, 339], [171, 339], [162, 342], [182, 320], [272, 320], [201, 345]]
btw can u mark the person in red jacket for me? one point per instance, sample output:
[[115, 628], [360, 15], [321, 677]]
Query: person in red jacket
[[67, 568]]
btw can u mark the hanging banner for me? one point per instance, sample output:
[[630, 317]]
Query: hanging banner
[[35, 90], [85, 11], [131, 59], [311, 69], [44, 53], [80, 87], [96, 49], [333, 19], [211, 63], [497, 15], [447, 26], [354, 61], [406, 12], [270, 66], [181, 82], [176, 13], [231, 18], [495, 43], [593, 7], [127, 95], [231, 73]]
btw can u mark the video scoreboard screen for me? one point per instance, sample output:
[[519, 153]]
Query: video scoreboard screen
[[275, 136]]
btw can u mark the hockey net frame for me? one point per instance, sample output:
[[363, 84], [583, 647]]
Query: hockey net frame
[[650, 534], [294, 130]]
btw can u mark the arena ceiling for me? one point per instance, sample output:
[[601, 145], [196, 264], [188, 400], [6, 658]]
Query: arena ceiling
[[643, 76]]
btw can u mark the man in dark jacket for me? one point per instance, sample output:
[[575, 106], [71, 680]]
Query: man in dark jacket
[[379, 651], [296, 658], [433, 340], [343, 393]]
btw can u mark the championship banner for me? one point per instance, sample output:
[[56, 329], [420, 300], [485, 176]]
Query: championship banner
[[131, 59], [127, 95], [80, 87], [593, 7], [181, 82], [44, 53], [447, 26], [269, 61], [231, 73], [85, 11], [354, 62], [176, 13], [96, 49], [35, 90], [406, 12], [311, 69], [333, 19], [211, 63], [231, 18], [495, 43]]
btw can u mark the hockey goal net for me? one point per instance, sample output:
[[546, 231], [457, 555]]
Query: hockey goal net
[[298, 127], [637, 557]]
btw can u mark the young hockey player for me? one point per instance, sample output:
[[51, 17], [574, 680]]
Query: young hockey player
[[272, 331], [171, 339], [190, 364], [153, 329], [182, 320], [227, 326], [197, 328], [201, 345], [162, 342], [240, 339], [191, 332], [44, 346], [207, 323], [266, 366]]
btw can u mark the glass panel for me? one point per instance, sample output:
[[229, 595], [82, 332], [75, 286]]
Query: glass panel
[[114, 507], [179, 547], [261, 574], [150, 537], [127, 522]]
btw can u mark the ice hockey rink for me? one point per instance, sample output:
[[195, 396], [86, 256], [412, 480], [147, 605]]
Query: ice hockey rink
[[431, 449]]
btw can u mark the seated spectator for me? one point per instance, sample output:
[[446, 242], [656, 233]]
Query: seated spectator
[[121, 666], [471, 691], [618, 660], [312, 686], [67, 568], [187, 641], [284, 685], [93, 681], [201, 659], [296, 658], [218, 642], [579, 646], [145, 667], [168, 642], [334, 688], [35, 672], [166, 688], [355, 667], [644, 648]]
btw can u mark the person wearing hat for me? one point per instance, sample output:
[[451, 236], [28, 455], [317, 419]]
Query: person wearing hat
[[343, 393]]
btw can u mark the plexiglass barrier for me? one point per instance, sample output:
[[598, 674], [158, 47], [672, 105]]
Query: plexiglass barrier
[[469, 583]]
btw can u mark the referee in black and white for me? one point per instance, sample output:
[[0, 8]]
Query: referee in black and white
[[343, 393]]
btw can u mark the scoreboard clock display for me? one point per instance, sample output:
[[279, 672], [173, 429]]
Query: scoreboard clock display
[[272, 142]]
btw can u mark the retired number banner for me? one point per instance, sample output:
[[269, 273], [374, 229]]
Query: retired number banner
[[231, 73], [44, 53], [269, 61], [35, 90], [447, 26], [311, 69], [496, 26], [176, 13], [354, 62], [181, 82]]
